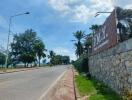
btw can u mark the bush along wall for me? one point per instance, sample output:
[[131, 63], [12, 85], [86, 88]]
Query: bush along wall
[[81, 64]]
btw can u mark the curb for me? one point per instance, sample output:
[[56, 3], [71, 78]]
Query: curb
[[74, 84]]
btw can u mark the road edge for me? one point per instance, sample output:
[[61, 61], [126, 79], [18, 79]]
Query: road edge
[[52, 85]]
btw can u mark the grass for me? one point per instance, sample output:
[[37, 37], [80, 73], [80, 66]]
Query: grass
[[94, 89]]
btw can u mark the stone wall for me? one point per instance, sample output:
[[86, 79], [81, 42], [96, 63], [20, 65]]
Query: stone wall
[[114, 67]]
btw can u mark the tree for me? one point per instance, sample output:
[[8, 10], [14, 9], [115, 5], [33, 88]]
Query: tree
[[79, 35], [124, 23], [123, 13], [88, 44], [44, 61], [79, 47], [65, 59], [51, 56], [26, 47], [58, 59], [39, 48], [2, 59], [94, 28]]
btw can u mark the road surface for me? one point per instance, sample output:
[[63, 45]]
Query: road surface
[[28, 85]]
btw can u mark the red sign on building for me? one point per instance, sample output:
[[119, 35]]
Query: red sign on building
[[106, 36]]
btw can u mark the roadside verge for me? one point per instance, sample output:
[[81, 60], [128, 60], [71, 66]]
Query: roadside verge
[[63, 89], [16, 70]]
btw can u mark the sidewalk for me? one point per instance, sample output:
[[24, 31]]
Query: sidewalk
[[16, 70], [63, 89]]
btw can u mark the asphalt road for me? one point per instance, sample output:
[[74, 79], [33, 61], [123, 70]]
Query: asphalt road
[[28, 85]]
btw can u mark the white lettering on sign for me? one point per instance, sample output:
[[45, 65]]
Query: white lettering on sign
[[102, 44], [100, 38]]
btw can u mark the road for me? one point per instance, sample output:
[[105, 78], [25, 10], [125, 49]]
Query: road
[[28, 85]]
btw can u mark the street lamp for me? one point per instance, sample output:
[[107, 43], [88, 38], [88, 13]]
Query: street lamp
[[98, 13], [10, 21]]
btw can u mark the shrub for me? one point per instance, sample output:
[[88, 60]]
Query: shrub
[[81, 64]]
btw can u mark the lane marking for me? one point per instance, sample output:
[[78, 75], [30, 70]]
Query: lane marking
[[55, 82]]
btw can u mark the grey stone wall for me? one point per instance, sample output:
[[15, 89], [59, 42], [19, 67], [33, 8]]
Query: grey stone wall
[[114, 67]]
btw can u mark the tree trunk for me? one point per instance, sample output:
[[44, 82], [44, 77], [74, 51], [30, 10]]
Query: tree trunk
[[25, 65], [39, 62]]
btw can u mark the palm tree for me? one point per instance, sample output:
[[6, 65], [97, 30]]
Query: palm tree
[[51, 56], [94, 28], [79, 47], [79, 35], [39, 48], [88, 44]]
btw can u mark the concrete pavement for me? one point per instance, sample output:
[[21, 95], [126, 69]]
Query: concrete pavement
[[28, 85]]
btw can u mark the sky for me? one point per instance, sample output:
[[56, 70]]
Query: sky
[[55, 21]]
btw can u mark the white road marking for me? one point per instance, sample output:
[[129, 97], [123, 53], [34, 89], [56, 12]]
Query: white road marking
[[46, 92]]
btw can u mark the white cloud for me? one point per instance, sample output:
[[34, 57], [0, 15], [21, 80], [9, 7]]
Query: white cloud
[[59, 5], [128, 6], [82, 14], [83, 10], [65, 51], [79, 10], [102, 4]]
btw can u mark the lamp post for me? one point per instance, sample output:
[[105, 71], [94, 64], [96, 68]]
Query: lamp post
[[10, 21], [98, 13]]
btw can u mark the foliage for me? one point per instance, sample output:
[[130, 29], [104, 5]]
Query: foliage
[[81, 64], [94, 89], [39, 48], [79, 47], [123, 13], [65, 59], [78, 35], [2, 59], [58, 59], [26, 47], [88, 44], [51, 56], [124, 25], [94, 28]]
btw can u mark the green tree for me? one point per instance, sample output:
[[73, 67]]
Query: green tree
[[51, 56], [58, 59], [79, 47], [2, 59], [24, 47], [123, 13], [44, 61], [88, 44], [65, 59], [94, 28], [39, 48]]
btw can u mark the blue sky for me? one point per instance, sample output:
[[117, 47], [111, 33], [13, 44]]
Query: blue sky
[[54, 20]]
